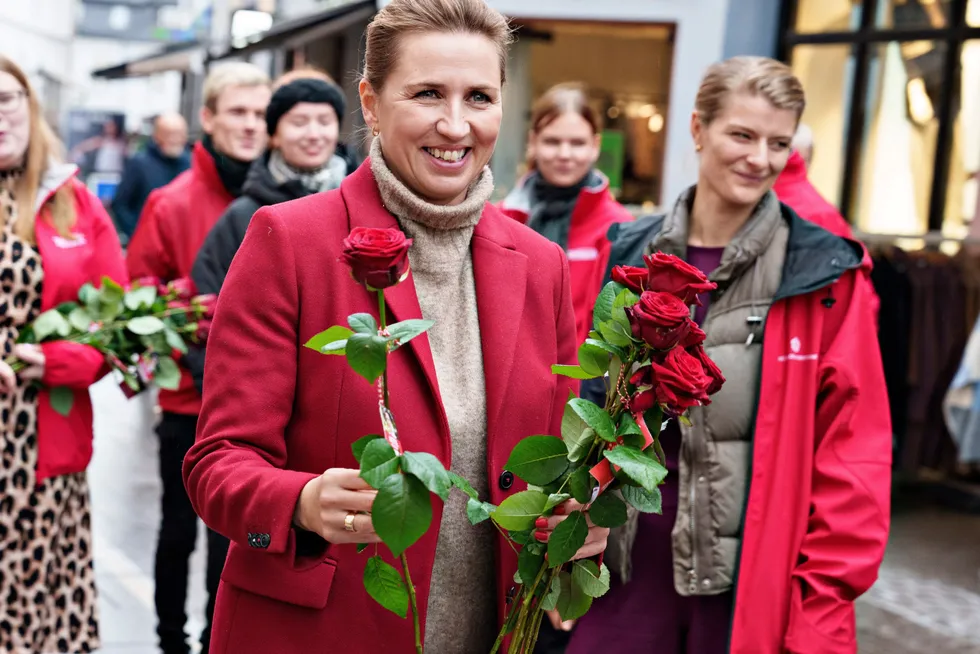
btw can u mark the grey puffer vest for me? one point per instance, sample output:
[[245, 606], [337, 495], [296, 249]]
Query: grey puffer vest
[[716, 448]]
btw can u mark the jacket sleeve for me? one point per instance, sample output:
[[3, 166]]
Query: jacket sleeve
[[849, 513], [567, 343], [150, 252], [234, 473], [125, 204], [72, 364]]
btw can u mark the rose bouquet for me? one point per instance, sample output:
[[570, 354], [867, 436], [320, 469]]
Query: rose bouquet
[[609, 457], [137, 329]]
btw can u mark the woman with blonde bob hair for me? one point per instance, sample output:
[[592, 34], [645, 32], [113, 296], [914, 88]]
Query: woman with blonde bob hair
[[776, 508], [54, 237]]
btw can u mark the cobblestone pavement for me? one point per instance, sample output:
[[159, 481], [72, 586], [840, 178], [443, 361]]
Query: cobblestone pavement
[[927, 599]]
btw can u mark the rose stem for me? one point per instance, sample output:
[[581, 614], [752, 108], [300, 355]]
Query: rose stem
[[411, 597], [528, 599], [384, 324]]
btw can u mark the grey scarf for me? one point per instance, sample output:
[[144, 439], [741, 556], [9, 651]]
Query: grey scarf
[[325, 178]]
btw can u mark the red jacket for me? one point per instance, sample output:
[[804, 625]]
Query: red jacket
[[276, 414], [588, 247], [795, 190], [65, 442], [174, 223]]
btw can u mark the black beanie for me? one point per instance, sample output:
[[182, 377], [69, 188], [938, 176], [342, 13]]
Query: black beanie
[[303, 90]]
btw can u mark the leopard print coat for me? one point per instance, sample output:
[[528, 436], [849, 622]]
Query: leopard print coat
[[47, 582]]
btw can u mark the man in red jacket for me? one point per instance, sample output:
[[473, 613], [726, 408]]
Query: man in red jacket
[[795, 190], [173, 225]]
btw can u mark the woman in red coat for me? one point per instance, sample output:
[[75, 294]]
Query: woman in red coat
[[272, 468], [54, 237], [565, 198]]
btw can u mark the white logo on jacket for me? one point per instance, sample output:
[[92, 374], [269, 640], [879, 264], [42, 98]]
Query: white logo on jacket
[[795, 345], [76, 241]]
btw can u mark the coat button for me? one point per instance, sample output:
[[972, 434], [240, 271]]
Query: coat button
[[253, 540], [506, 480], [264, 540]]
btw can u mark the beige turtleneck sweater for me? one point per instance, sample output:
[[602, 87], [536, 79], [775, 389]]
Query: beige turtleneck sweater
[[461, 615]]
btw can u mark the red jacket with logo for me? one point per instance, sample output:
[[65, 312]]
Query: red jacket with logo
[[171, 229], [588, 247], [795, 190], [65, 442]]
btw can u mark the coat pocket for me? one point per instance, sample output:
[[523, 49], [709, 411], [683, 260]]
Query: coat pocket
[[275, 577]]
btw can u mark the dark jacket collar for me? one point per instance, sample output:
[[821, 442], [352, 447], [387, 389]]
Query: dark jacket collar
[[262, 187]]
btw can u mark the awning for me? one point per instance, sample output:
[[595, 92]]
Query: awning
[[298, 31], [186, 56]]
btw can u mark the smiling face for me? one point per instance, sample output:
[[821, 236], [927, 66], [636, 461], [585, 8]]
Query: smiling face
[[744, 149], [438, 113], [564, 150], [15, 122], [307, 135], [237, 125]]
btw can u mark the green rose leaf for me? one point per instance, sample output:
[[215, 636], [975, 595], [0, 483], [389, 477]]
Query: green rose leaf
[[580, 485], [538, 460], [519, 511], [643, 500], [578, 448], [591, 578], [80, 319], [357, 447], [401, 511], [463, 485], [637, 466], [362, 546], [477, 511], [385, 584], [51, 323], [378, 462], [628, 426], [550, 600], [167, 373], [567, 538], [62, 399], [173, 339], [328, 337], [608, 511], [367, 355], [402, 332], [146, 325], [524, 537], [608, 347], [529, 563], [604, 304], [555, 499], [615, 333], [363, 323], [573, 602], [429, 470], [593, 359], [575, 372], [595, 417], [89, 296], [144, 296], [625, 298]]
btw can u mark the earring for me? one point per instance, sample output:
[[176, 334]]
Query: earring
[[698, 147], [376, 131]]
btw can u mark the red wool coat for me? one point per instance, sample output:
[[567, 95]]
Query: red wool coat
[[65, 442], [175, 221], [276, 415]]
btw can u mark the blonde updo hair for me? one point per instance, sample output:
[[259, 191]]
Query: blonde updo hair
[[403, 17], [760, 76]]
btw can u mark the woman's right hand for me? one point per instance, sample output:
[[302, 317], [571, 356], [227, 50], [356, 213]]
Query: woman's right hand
[[326, 501], [8, 378]]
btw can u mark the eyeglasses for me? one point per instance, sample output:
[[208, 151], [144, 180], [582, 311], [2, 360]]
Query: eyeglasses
[[10, 101]]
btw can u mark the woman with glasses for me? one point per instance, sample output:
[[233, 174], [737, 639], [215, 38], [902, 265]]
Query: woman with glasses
[[54, 237]]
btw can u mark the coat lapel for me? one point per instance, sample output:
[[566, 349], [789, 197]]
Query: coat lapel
[[500, 274]]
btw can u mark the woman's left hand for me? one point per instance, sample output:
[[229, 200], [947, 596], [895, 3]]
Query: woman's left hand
[[595, 542], [33, 356]]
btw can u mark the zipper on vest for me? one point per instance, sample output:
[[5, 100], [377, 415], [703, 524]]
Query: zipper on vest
[[692, 574]]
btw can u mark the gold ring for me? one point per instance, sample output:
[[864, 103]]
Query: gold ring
[[349, 522]]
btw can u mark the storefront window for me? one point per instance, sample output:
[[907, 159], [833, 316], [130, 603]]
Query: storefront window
[[826, 72], [827, 15], [963, 192], [898, 154], [913, 14]]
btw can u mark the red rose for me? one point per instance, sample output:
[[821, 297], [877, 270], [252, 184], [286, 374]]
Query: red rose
[[205, 304], [182, 305], [711, 371], [203, 330], [182, 289], [631, 277], [670, 274], [694, 337], [644, 398], [378, 258], [679, 382], [146, 282], [661, 320]]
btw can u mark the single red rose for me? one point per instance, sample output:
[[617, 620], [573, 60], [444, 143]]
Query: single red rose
[[182, 289], [146, 282], [711, 370], [670, 274], [661, 320], [644, 398], [632, 277], [183, 305], [378, 258], [694, 337], [679, 382], [205, 304]]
